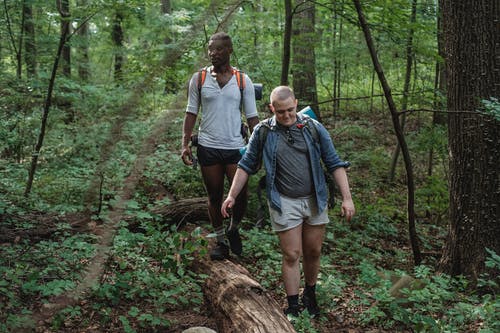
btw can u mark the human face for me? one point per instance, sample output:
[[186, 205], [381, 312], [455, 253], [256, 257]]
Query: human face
[[285, 111], [219, 52]]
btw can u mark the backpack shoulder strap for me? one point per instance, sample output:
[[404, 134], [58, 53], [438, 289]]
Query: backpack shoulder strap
[[240, 79], [312, 127], [263, 132], [202, 74]]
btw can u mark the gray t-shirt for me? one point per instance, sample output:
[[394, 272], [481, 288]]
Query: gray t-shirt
[[293, 169], [220, 124]]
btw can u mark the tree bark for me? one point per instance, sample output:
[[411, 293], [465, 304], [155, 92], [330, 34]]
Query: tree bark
[[241, 305], [30, 56], [304, 61], [83, 48], [417, 257], [287, 37], [472, 57], [66, 51], [117, 37]]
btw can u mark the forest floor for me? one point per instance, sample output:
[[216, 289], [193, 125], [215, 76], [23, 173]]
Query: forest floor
[[341, 321]]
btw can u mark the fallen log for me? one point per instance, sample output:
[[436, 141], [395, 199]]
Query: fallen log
[[240, 304], [179, 212]]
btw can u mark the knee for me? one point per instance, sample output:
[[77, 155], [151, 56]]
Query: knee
[[291, 257], [312, 253], [214, 200]]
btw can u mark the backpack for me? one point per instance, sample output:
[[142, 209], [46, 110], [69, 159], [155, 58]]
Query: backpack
[[266, 127], [240, 79], [263, 132]]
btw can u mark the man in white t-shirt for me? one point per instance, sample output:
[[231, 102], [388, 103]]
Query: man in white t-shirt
[[219, 136]]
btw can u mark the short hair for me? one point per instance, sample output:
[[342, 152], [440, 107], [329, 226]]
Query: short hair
[[224, 37], [281, 93]]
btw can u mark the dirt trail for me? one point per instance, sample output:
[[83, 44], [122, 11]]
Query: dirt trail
[[97, 265]]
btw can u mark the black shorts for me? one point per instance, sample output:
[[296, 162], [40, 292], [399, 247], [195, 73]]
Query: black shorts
[[212, 156]]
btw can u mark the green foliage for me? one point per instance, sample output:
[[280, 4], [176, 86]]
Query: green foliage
[[152, 268], [431, 303], [98, 127], [37, 272], [492, 107]]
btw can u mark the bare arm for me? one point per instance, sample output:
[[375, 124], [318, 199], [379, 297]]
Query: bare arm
[[239, 180], [187, 130], [252, 122], [347, 208]]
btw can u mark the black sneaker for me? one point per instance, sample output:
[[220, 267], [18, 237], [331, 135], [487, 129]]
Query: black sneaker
[[293, 310], [219, 252], [310, 304], [234, 238]]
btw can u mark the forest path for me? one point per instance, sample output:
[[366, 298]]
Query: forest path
[[107, 231], [97, 265]]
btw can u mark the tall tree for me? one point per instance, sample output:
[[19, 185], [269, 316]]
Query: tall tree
[[66, 52], [399, 134], [338, 25], [287, 37], [471, 38], [117, 37], [45, 115], [304, 62], [83, 64], [12, 36], [30, 56]]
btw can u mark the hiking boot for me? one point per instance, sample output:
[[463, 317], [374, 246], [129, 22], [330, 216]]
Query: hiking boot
[[292, 310], [310, 304], [233, 235], [219, 252]]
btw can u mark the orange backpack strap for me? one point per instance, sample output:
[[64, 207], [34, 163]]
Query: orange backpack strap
[[202, 74], [240, 79]]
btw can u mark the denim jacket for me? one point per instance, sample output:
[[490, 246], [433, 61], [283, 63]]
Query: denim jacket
[[323, 150]]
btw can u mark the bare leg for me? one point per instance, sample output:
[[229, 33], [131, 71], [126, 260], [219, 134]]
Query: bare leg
[[312, 240], [240, 204], [213, 177], [291, 248]]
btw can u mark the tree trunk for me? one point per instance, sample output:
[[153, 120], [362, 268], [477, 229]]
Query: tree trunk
[[166, 6], [406, 88], [83, 48], [30, 57], [472, 44], [337, 63], [48, 101], [417, 258], [304, 62], [241, 304], [117, 36], [66, 52], [287, 37]]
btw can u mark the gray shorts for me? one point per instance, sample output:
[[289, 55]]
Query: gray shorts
[[295, 211]]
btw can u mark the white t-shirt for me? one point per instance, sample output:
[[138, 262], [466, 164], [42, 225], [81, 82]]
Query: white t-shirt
[[220, 124]]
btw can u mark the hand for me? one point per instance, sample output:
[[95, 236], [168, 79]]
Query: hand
[[227, 204], [347, 209], [187, 155]]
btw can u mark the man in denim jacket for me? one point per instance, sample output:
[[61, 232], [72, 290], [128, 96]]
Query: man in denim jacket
[[296, 190]]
